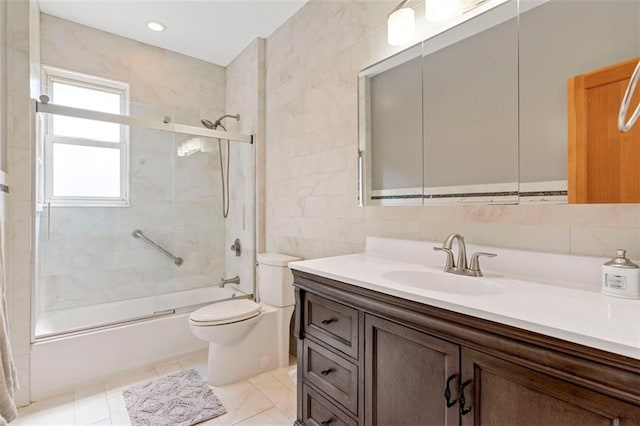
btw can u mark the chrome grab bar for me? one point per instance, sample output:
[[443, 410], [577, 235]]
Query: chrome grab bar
[[626, 100], [137, 233]]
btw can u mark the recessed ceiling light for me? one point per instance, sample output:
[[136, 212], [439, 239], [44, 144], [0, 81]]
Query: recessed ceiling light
[[156, 26]]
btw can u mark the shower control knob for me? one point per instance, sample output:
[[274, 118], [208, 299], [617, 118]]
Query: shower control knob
[[237, 247]]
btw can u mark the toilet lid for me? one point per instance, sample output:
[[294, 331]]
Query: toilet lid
[[225, 312]]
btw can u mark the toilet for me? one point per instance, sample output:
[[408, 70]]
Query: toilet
[[247, 338]]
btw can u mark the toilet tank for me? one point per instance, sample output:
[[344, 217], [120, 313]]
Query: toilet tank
[[275, 279]]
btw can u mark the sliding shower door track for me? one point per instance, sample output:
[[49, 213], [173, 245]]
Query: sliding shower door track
[[104, 326], [157, 314]]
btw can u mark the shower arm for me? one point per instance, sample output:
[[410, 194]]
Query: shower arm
[[219, 120], [137, 233]]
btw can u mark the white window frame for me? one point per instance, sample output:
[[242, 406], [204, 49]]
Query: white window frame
[[53, 74]]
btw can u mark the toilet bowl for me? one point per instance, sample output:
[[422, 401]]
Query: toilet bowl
[[247, 338]]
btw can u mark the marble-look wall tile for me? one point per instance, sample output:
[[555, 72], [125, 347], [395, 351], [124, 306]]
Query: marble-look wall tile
[[603, 241], [22, 73], [310, 159], [539, 237], [604, 215], [90, 256], [245, 96], [164, 79], [3, 87]]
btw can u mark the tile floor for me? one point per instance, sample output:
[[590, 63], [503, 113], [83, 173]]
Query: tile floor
[[267, 399]]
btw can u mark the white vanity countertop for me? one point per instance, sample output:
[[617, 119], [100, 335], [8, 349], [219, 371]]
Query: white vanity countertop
[[582, 316]]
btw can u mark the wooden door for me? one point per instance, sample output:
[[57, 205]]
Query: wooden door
[[406, 374], [603, 164], [503, 393]]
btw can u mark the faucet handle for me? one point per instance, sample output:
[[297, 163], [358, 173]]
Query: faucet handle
[[450, 263], [475, 263]]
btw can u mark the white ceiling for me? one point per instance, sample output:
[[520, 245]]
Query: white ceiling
[[215, 31]]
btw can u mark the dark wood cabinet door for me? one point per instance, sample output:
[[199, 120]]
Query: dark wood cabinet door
[[406, 373], [503, 393]]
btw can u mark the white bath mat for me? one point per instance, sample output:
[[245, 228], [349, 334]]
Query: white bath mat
[[177, 399]]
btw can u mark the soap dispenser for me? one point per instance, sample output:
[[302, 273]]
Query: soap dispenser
[[621, 277]]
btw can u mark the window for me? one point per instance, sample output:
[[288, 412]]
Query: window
[[86, 161]]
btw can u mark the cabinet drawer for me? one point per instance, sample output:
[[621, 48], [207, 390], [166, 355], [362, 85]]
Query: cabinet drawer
[[332, 374], [332, 323], [318, 411]]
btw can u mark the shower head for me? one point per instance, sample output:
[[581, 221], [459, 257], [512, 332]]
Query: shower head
[[208, 124], [183, 151], [213, 126]]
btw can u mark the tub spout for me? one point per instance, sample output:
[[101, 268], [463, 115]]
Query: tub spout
[[224, 281]]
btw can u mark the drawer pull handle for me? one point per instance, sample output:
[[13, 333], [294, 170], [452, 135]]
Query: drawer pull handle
[[463, 401], [326, 372], [327, 422], [447, 392], [329, 321]]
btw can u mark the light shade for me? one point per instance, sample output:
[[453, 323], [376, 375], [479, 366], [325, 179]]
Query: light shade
[[439, 10], [401, 26], [155, 26]]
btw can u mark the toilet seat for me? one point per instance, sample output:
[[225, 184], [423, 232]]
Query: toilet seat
[[226, 312]]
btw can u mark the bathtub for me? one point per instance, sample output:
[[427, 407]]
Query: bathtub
[[79, 346], [73, 320]]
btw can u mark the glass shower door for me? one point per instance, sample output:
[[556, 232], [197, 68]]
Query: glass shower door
[[91, 269], [212, 177], [158, 243]]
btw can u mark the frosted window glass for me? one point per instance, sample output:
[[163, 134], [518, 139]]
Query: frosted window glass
[[86, 98], [85, 171]]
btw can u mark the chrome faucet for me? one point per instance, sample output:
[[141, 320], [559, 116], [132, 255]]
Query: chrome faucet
[[224, 281], [460, 267]]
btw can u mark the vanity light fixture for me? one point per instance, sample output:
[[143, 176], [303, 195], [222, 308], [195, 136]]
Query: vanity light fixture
[[439, 10], [401, 24], [156, 26]]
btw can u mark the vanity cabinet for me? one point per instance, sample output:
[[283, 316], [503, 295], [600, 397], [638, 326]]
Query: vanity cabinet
[[406, 374], [373, 359], [506, 393]]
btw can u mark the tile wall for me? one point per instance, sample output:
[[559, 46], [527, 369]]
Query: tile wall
[[23, 58], [90, 256], [3, 86], [245, 96], [311, 153]]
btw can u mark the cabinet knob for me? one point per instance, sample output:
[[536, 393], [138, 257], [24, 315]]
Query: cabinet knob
[[328, 321], [463, 401], [326, 372], [447, 392], [327, 422]]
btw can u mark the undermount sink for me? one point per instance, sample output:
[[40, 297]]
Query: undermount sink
[[445, 282]]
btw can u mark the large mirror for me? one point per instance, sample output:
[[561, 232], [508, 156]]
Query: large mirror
[[576, 58], [517, 104], [391, 130], [470, 102]]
